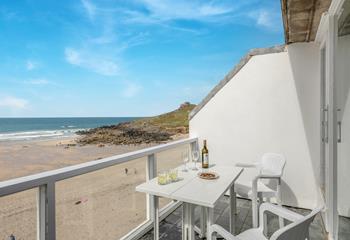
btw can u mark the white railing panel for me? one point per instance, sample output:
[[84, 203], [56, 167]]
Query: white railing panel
[[101, 204], [46, 217], [18, 215], [35, 180]]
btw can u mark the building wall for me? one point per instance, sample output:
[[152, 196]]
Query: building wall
[[271, 105]]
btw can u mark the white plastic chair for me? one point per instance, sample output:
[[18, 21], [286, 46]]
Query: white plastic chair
[[270, 168], [297, 230]]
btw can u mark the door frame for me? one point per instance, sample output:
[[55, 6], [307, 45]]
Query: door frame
[[327, 38]]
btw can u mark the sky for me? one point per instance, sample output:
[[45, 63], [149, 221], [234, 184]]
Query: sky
[[105, 58]]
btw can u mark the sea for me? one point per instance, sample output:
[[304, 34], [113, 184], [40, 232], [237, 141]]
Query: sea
[[17, 129]]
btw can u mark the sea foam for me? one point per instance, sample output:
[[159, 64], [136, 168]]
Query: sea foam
[[32, 135]]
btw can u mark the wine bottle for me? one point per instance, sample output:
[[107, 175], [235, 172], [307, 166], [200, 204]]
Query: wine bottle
[[205, 155]]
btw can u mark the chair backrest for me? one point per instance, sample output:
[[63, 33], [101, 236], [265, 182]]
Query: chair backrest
[[298, 230], [272, 163]]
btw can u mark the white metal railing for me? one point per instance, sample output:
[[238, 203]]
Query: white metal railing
[[45, 181]]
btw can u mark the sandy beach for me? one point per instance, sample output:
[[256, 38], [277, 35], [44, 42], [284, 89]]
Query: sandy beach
[[98, 205]]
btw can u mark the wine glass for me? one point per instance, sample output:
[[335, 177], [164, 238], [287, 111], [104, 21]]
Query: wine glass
[[185, 159], [195, 159]]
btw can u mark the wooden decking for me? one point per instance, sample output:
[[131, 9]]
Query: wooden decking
[[170, 228]]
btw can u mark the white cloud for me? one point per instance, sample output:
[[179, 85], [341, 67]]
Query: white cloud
[[266, 18], [184, 9], [90, 8], [131, 90], [91, 62], [31, 65], [72, 56], [13, 103]]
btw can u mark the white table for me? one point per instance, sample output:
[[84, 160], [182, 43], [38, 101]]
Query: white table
[[193, 191]]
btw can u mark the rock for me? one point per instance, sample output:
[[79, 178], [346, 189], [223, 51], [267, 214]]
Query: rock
[[182, 130], [158, 129]]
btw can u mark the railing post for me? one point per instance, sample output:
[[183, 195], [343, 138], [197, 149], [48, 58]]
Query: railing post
[[46, 212], [151, 168], [51, 211], [41, 213]]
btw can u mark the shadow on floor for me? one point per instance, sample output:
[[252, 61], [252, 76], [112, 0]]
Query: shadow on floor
[[170, 227]]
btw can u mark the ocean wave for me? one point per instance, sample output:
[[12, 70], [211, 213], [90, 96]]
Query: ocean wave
[[68, 126], [31, 135]]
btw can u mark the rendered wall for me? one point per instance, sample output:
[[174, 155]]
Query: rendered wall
[[271, 105]]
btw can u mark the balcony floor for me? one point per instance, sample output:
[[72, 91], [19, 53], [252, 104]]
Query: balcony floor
[[170, 227]]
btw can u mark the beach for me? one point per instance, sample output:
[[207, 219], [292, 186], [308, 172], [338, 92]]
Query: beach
[[98, 205]]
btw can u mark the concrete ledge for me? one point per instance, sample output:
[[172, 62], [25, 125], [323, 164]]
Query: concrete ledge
[[233, 72]]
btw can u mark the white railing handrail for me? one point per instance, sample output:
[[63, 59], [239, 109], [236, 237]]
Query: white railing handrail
[[28, 182]]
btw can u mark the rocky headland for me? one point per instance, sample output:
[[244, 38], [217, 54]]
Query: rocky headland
[[158, 129]]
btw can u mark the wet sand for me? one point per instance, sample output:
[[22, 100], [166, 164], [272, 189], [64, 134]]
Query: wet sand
[[98, 205]]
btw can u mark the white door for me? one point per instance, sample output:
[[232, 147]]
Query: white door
[[342, 86], [328, 181], [329, 170]]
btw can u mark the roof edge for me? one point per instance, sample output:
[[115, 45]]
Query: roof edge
[[234, 71]]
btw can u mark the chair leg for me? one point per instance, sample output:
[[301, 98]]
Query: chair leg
[[261, 200], [279, 202], [255, 203], [265, 221], [233, 209], [255, 211]]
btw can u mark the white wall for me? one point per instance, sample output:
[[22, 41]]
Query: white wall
[[343, 103], [271, 105]]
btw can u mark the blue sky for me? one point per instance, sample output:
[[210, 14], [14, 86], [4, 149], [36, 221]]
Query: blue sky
[[123, 57]]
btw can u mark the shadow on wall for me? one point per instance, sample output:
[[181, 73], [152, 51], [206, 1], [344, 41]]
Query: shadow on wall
[[286, 189], [306, 74]]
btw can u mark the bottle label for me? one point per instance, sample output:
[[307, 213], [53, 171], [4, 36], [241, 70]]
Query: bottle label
[[205, 158]]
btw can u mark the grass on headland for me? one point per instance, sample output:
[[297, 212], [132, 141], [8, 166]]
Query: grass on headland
[[174, 119]]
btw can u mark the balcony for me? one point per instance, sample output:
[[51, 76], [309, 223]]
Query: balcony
[[86, 201]]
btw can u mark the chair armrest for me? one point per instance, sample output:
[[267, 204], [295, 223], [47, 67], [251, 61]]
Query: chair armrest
[[270, 176], [220, 230], [247, 165], [279, 211]]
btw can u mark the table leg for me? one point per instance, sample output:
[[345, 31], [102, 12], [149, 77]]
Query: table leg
[[203, 222], [184, 228], [156, 218], [187, 221], [191, 222], [210, 221], [233, 205], [184, 221]]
